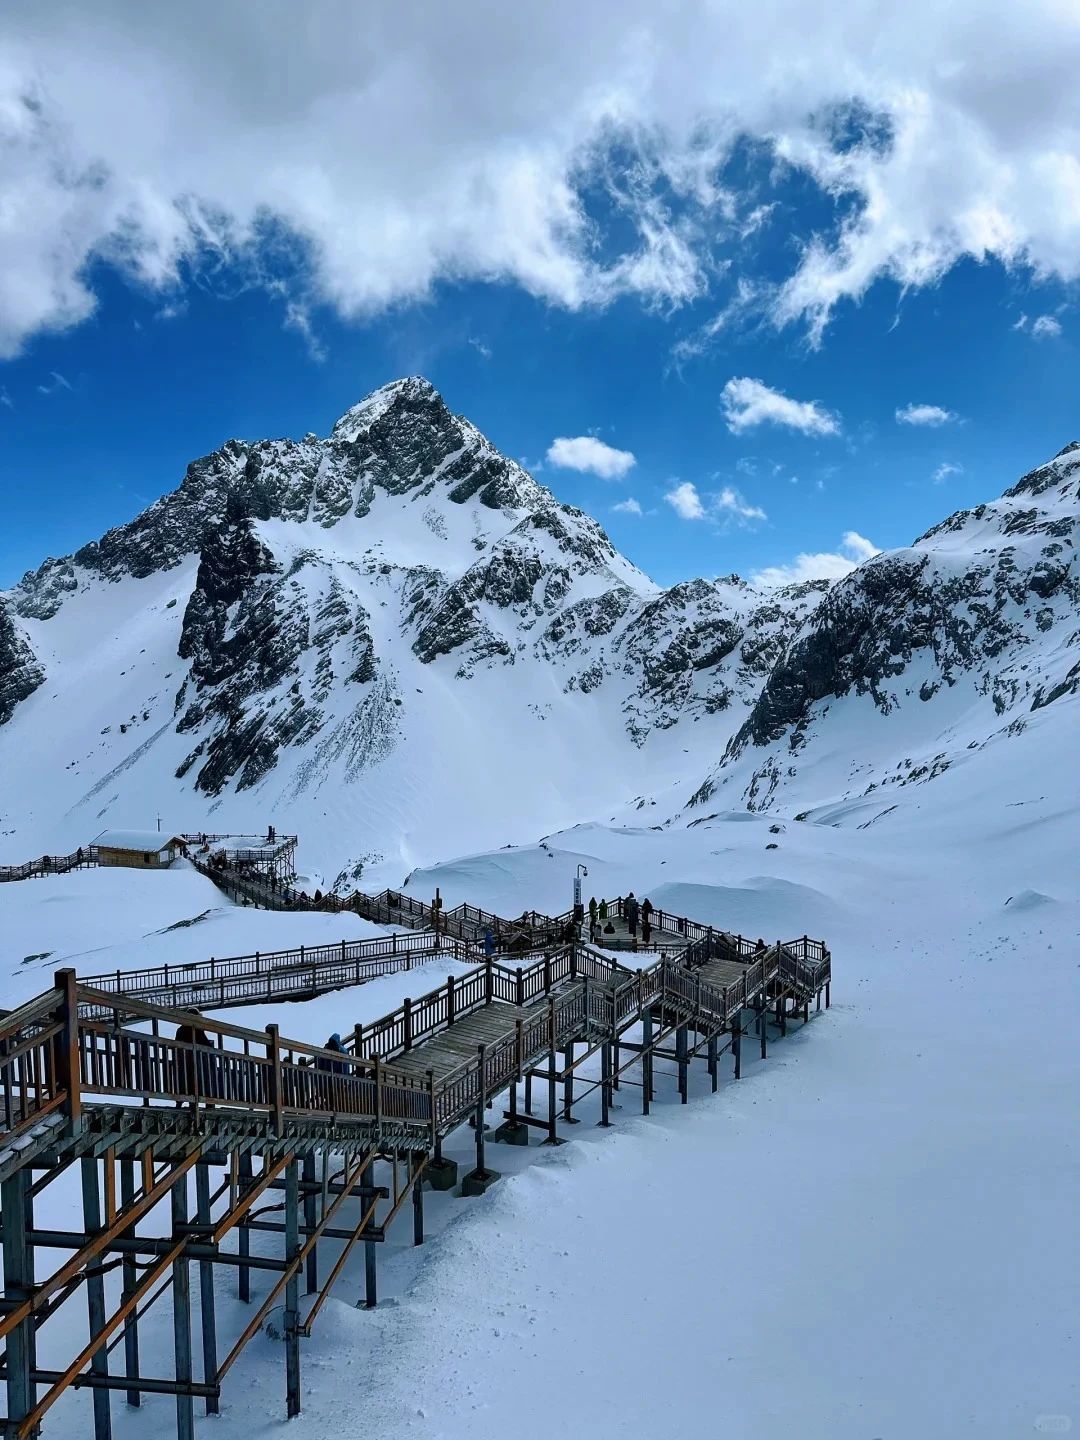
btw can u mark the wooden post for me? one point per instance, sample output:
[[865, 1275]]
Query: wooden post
[[181, 1303], [130, 1282], [712, 1061], [828, 988], [449, 1000], [407, 1024], [69, 1075], [292, 1290], [207, 1298], [736, 1045], [95, 1298], [605, 1084], [680, 1053], [273, 1055]]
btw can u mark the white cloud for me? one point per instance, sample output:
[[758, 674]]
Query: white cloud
[[500, 131], [480, 347], [56, 383], [728, 506], [685, 501], [748, 402], [592, 456], [1045, 327], [828, 565], [944, 470], [931, 415], [730, 502], [1020, 324], [5, 399], [629, 506]]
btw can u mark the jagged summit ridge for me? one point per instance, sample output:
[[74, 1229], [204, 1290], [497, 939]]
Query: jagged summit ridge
[[401, 441]]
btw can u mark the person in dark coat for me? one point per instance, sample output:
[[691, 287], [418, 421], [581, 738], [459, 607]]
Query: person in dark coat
[[630, 910], [197, 1063], [593, 914], [601, 913], [323, 1063], [489, 943], [646, 920]]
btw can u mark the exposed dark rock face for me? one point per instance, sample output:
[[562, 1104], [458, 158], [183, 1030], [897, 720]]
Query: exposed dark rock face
[[20, 673], [971, 601]]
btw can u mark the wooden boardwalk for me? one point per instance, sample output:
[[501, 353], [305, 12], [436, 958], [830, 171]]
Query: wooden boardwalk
[[113, 1075]]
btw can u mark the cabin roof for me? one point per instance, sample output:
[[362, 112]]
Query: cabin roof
[[145, 840]]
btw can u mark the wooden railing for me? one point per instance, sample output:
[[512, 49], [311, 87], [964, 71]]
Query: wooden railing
[[86, 855], [277, 974]]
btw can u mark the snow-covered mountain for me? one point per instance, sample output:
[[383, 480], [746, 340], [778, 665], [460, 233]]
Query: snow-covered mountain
[[923, 658], [380, 635], [395, 641]]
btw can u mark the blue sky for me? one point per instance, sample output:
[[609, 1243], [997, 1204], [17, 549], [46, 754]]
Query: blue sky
[[622, 270]]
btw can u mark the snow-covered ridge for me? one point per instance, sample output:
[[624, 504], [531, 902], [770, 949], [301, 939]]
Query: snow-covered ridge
[[379, 637], [960, 638]]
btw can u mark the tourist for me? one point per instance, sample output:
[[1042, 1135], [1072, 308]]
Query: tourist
[[593, 912], [630, 910]]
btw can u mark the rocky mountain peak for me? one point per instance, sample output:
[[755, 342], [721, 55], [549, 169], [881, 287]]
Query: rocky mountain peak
[[410, 395]]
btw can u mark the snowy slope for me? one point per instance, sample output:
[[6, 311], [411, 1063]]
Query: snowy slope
[[870, 1235], [922, 657]]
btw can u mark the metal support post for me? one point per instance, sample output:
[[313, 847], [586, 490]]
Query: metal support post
[[243, 1236], [181, 1298], [95, 1297], [568, 1084], [130, 1282], [311, 1201], [18, 1286], [292, 1290], [207, 1297]]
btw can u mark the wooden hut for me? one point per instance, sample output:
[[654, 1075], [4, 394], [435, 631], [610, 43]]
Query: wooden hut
[[137, 849]]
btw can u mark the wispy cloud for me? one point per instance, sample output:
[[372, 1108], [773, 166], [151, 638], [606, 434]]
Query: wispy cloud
[[5, 399], [57, 383], [944, 470], [629, 506], [726, 506], [590, 456], [1043, 327], [825, 565], [480, 348], [747, 403], [929, 415]]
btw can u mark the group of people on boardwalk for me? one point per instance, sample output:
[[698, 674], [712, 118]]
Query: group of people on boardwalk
[[601, 918]]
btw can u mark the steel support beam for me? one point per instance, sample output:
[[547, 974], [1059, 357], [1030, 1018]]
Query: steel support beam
[[18, 1285], [181, 1287], [130, 1283], [207, 1298], [292, 1290], [95, 1296]]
